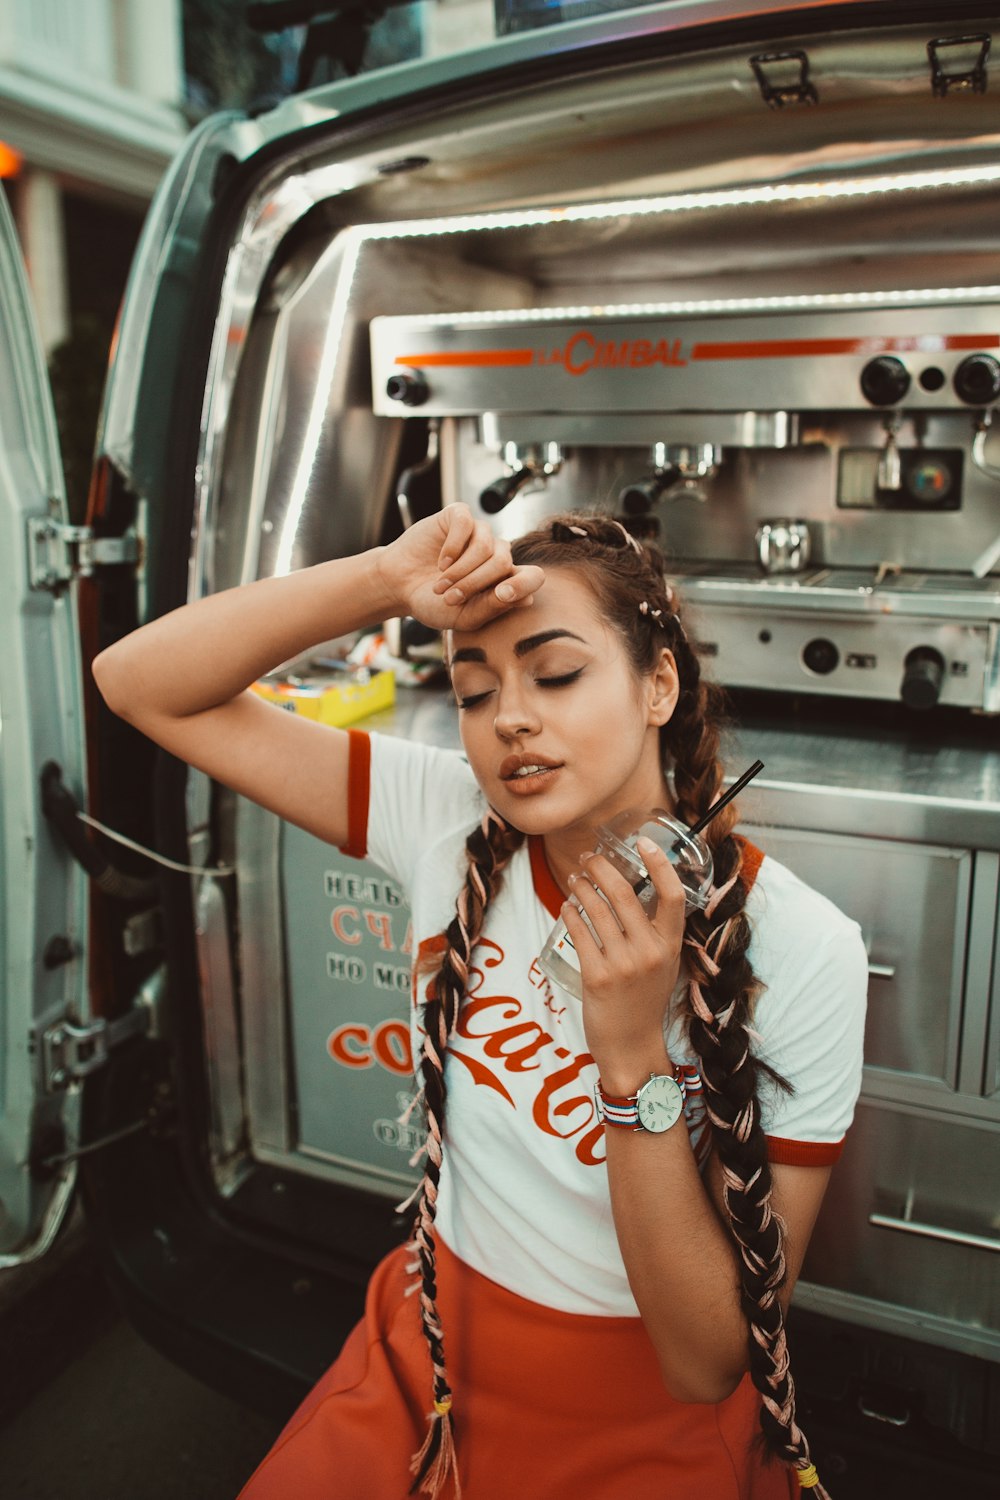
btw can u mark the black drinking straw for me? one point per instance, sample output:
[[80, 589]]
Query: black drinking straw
[[720, 802]]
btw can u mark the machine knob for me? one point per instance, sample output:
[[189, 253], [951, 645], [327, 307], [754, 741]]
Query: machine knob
[[977, 380], [923, 674], [885, 380], [410, 387], [821, 656], [501, 492]]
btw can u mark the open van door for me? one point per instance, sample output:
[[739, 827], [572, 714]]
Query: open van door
[[45, 1039]]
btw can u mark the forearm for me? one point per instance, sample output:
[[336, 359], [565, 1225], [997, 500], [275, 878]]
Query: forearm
[[207, 653], [681, 1263]]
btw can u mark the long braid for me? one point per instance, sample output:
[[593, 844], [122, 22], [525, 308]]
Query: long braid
[[721, 995], [628, 579], [489, 849]]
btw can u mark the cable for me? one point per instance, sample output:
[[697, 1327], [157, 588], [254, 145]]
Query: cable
[[98, 1145], [160, 859]]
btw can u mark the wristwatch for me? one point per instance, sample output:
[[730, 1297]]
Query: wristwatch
[[657, 1105]]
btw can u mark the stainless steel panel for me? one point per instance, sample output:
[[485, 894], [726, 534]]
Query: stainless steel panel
[[262, 978], [763, 645], [909, 1223], [991, 1077], [980, 1056], [912, 905], [219, 1023], [673, 357]]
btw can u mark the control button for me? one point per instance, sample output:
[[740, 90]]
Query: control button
[[923, 673], [977, 380], [410, 387], [932, 379], [820, 656], [885, 380]]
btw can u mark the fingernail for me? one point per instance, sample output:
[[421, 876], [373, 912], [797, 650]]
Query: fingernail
[[504, 591], [572, 879], [647, 846], [445, 563], [454, 596]]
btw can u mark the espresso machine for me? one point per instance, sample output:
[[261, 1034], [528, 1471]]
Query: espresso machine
[[818, 468]]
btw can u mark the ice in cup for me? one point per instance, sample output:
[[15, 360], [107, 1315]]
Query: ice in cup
[[689, 855]]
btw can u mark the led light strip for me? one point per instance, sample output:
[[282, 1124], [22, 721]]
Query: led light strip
[[771, 193]]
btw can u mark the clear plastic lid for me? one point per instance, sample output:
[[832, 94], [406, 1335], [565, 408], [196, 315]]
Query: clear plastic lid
[[689, 854]]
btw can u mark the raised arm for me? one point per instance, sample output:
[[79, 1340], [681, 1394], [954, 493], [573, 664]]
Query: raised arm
[[184, 679]]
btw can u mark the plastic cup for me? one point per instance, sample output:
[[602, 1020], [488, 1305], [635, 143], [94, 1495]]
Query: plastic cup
[[689, 855]]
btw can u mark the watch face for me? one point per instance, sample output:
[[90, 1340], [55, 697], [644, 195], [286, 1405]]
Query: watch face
[[659, 1104]]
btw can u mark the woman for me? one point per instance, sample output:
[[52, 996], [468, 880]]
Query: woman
[[600, 1306]]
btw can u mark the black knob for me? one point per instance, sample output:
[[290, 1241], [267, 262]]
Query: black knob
[[502, 491], [410, 387], [923, 674], [821, 656], [885, 380], [977, 380], [638, 499]]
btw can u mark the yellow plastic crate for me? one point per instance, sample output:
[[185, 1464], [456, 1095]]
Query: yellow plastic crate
[[332, 702]]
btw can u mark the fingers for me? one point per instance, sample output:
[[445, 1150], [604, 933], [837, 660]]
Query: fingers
[[670, 903], [610, 903], [460, 527], [481, 570], [474, 546]]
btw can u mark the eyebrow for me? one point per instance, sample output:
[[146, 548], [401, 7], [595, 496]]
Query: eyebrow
[[530, 643]]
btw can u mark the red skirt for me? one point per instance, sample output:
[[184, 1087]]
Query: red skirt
[[547, 1406]]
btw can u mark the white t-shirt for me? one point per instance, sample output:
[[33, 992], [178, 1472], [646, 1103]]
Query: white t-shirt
[[524, 1195]]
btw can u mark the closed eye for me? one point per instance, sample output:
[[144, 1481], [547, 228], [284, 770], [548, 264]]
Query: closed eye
[[473, 700]]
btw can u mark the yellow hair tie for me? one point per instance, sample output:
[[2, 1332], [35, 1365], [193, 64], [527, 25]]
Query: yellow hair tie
[[808, 1477], [444, 1407]]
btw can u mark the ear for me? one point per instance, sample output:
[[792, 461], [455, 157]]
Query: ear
[[664, 688]]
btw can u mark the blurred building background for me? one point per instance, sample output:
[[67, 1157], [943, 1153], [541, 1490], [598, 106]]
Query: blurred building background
[[96, 97]]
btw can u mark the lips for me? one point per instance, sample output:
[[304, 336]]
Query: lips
[[521, 768]]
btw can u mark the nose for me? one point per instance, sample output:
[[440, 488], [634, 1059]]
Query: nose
[[515, 715]]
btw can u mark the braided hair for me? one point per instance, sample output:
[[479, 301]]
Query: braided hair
[[627, 578], [488, 849]]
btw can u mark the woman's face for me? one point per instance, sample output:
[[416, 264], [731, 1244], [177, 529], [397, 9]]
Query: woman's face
[[559, 730]]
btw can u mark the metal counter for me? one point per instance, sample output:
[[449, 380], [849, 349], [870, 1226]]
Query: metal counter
[[878, 783]]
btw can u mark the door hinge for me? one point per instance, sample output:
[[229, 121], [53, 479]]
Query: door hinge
[[58, 553], [70, 1049]]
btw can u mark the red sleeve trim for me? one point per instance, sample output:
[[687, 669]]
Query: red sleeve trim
[[358, 792], [803, 1153]]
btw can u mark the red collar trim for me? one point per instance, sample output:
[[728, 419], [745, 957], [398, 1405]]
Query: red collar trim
[[542, 878]]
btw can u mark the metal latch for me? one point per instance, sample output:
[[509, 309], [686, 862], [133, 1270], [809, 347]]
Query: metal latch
[[969, 76], [786, 85], [57, 552], [71, 1050]]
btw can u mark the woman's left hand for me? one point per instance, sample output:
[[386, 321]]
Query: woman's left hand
[[630, 974]]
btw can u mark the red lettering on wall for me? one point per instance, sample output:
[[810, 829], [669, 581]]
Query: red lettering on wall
[[379, 926], [338, 917], [341, 1046], [358, 1046], [391, 1046]]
